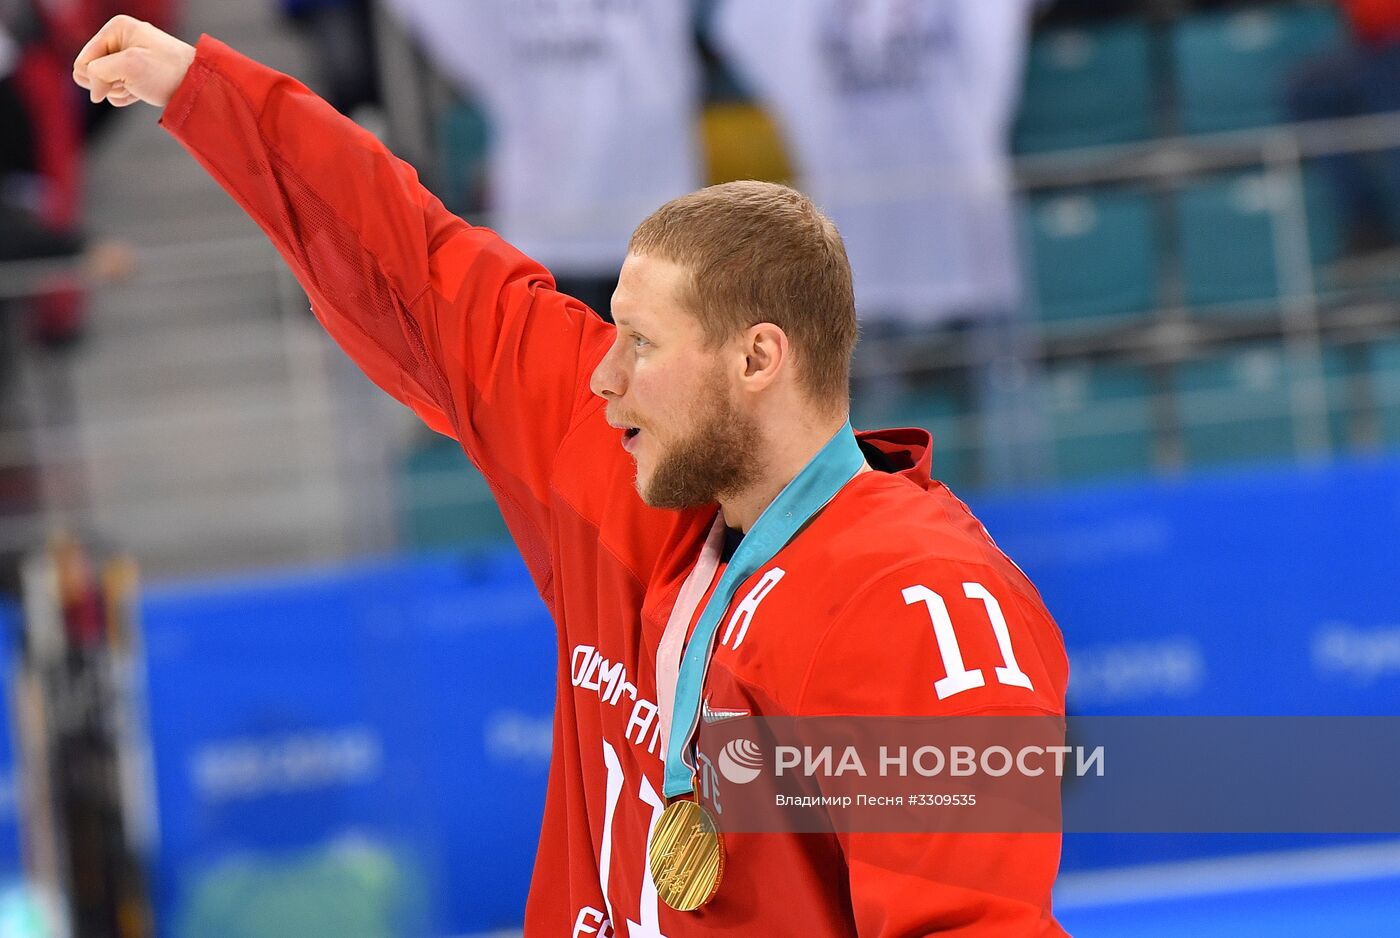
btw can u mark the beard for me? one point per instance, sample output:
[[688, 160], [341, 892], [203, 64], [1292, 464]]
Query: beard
[[716, 459]]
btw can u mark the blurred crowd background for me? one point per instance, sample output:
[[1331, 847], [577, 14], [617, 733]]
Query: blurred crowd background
[[1134, 263], [1093, 240]]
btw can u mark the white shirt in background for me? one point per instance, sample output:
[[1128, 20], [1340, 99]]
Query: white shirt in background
[[898, 114], [593, 106]]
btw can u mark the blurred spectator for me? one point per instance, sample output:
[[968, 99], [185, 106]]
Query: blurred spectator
[[41, 142], [592, 105], [16, 147], [1361, 77], [44, 170], [897, 114], [42, 128], [342, 39], [25, 237]]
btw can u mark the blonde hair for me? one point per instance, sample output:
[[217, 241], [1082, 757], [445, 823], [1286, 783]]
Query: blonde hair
[[762, 252]]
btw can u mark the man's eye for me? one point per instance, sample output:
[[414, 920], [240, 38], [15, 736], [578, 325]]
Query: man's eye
[[639, 342]]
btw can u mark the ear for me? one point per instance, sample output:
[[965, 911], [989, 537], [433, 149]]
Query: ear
[[766, 351]]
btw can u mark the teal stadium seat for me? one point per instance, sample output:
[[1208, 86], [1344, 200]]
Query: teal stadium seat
[[464, 142], [444, 501], [1092, 255], [1100, 420], [1384, 361], [1232, 67], [1087, 86], [1237, 405], [1226, 226]]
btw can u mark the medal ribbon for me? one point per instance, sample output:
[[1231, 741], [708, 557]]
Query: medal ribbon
[[672, 644], [836, 464]]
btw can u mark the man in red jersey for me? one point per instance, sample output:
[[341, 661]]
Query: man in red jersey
[[688, 469]]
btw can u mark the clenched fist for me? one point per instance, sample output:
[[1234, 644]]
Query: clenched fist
[[129, 61]]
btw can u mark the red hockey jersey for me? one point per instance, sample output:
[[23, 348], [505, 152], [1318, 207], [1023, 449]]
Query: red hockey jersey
[[473, 336]]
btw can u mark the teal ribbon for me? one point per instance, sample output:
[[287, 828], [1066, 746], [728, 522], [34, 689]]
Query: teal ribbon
[[818, 482]]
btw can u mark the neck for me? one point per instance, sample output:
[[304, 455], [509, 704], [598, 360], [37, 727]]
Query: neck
[[785, 455]]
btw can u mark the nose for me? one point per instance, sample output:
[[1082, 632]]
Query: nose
[[609, 379]]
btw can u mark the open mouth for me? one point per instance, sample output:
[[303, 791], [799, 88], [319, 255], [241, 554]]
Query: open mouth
[[629, 438]]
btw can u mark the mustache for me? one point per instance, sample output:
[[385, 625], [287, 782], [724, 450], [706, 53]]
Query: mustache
[[624, 419]]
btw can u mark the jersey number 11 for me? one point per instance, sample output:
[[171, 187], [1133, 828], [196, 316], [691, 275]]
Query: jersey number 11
[[959, 678]]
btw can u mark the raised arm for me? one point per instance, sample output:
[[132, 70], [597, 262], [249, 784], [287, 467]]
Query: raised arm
[[444, 316]]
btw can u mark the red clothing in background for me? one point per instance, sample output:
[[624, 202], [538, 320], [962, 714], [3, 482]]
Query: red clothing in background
[[1375, 21]]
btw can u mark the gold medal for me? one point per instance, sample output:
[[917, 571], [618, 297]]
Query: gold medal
[[686, 856]]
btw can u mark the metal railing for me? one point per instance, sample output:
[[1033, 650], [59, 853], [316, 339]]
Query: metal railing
[[314, 491]]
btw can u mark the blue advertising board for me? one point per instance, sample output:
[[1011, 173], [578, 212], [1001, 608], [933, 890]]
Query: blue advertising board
[[1259, 593], [361, 751]]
